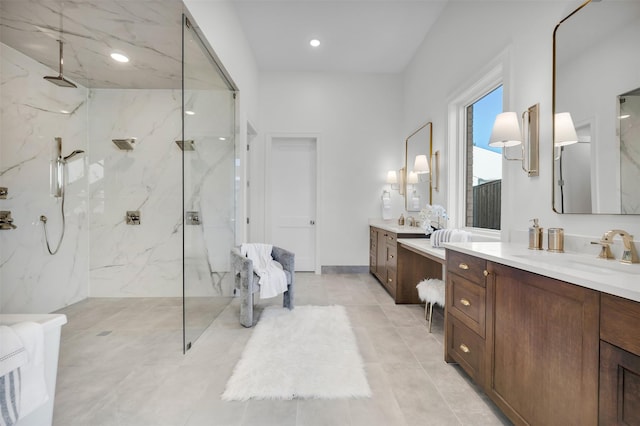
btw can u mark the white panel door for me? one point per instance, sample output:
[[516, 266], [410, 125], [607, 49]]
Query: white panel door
[[293, 198]]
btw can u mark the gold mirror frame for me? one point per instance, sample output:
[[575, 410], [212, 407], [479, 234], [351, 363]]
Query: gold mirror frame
[[413, 143], [590, 125]]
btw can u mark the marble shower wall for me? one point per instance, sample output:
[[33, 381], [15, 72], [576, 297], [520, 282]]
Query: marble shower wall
[[100, 256], [146, 259], [31, 280], [210, 189]]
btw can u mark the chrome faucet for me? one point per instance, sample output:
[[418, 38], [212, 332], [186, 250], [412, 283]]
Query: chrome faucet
[[629, 254]]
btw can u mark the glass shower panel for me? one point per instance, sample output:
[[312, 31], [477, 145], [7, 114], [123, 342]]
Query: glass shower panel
[[208, 165]]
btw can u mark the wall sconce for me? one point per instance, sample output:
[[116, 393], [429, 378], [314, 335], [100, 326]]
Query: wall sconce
[[506, 132], [392, 179], [564, 132], [421, 167]]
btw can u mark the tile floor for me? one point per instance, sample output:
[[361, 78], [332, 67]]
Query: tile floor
[[121, 364]]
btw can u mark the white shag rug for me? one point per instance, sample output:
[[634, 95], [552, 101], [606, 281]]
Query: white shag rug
[[308, 352]]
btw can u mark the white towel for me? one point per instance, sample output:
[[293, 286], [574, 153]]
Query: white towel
[[13, 356], [449, 235], [273, 280], [34, 387], [12, 352]]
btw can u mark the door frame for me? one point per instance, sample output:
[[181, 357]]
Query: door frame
[[268, 220]]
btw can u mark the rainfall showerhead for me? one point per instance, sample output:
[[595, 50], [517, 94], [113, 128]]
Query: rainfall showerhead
[[187, 145], [124, 144], [59, 80]]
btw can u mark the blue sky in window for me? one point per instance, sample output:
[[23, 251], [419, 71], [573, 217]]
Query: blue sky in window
[[484, 114]]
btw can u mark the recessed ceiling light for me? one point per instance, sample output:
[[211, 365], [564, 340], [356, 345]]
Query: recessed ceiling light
[[222, 138], [190, 112], [622, 117], [315, 42], [64, 111], [119, 57]]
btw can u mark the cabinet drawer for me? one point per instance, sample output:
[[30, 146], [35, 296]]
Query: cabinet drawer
[[391, 238], [465, 347], [466, 301], [390, 281], [392, 256], [469, 267], [619, 320]]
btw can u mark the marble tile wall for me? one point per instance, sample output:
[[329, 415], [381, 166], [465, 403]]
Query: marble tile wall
[[101, 256], [146, 259], [31, 280]]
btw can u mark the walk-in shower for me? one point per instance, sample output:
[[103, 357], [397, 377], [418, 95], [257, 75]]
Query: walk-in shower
[[126, 117]]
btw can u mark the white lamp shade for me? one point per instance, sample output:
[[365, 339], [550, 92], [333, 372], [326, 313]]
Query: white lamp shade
[[392, 177], [564, 132], [506, 130], [412, 178], [421, 165]]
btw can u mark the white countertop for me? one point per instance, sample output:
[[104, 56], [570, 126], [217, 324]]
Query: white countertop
[[391, 225], [606, 275], [424, 246]]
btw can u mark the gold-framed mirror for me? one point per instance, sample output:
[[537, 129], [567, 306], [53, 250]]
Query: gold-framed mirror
[[596, 80], [419, 176]]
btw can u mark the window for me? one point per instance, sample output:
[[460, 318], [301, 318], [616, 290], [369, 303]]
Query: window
[[483, 163]]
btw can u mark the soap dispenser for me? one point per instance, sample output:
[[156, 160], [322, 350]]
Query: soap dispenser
[[401, 220], [535, 236]]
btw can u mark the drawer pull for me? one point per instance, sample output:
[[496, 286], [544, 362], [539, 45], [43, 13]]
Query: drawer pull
[[463, 266], [464, 348], [390, 280], [485, 273], [465, 302], [391, 256]]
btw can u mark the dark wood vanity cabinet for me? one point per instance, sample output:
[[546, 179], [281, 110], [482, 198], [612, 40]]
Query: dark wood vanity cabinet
[[466, 313], [529, 341], [619, 361], [383, 260], [542, 348]]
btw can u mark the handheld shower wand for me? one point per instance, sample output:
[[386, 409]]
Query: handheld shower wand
[[59, 188]]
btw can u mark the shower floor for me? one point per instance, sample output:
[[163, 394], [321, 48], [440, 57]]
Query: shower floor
[[121, 363]]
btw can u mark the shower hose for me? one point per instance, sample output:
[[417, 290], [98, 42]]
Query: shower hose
[[43, 219]]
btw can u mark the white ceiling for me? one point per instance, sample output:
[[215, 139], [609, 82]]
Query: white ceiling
[[357, 36]]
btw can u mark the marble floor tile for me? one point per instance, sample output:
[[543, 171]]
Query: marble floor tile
[[121, 364]]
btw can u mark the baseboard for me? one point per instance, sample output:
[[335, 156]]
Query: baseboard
[[344, 269]]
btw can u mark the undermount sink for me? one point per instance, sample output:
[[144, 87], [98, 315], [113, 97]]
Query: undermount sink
[[583, 263]]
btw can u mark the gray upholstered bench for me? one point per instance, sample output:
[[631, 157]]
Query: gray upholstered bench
[[247, 281]]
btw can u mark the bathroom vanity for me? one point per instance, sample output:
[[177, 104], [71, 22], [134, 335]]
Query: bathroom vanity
[[384, 263], [551, 338]]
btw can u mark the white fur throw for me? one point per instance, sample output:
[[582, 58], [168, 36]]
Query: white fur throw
[[431, 291]]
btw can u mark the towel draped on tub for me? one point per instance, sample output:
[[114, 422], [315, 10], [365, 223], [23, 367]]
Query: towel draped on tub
[[22, 383]]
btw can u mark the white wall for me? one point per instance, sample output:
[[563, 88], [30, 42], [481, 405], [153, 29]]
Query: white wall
[[467, 37], [357, 118]]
